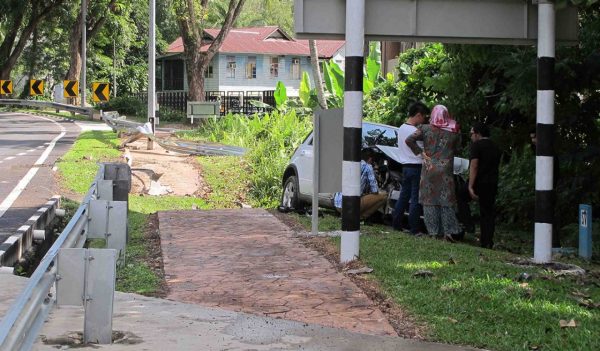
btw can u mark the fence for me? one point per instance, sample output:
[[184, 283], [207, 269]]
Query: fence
[[231, 101], [83, 277]]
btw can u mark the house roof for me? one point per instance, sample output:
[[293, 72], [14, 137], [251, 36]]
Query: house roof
[[263, 40]]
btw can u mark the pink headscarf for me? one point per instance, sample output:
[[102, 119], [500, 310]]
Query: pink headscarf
[[440, 117]]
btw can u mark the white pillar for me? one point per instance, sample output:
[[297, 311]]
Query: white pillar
[[353, 109], [151, 70], [83, 51], [544, 179]]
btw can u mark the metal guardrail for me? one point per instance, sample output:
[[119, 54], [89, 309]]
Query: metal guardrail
[[23, 321], [119, 123], [49, 104]]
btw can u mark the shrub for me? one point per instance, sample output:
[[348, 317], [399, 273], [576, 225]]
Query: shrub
[[516, 189], [271, 140], [170, 115], [125, 105]]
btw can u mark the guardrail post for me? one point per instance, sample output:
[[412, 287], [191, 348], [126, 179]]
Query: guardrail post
[[108, 221], [120, 174], [86, 277]]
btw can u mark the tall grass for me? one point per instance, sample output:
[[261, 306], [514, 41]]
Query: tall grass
[[271, 139]]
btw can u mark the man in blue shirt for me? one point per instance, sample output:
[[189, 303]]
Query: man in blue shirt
[[371, 199]]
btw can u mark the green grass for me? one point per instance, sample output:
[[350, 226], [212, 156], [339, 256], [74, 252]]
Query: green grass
[[79, 166], [228, 178], [478, 300]]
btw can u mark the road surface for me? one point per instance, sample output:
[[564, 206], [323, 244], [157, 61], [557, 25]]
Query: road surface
[[29, 147]]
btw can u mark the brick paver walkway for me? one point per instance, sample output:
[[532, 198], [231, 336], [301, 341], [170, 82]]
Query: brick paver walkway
[[247, 260]]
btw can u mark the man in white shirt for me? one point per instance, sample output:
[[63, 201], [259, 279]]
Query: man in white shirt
[[411, 170]]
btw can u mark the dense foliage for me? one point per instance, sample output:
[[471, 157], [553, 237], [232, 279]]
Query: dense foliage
[[271, 139]]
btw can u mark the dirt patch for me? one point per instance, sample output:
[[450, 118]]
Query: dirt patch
[[162, 170], [404, 325], [154, 258]]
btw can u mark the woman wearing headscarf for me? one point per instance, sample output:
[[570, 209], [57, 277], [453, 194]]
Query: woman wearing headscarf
[[441, 140]]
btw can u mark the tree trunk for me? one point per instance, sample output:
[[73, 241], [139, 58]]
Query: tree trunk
[[314, 60], [75, 63], [191, 29]]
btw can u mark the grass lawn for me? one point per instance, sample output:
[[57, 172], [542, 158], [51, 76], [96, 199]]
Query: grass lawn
[[475, 297]]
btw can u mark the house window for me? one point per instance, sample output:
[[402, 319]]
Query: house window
[[251, 67], [274, 67], [230, 66], [208, 72], [295, 68]]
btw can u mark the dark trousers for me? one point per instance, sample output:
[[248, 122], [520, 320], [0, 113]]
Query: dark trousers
[[487, 211], [409, 198]]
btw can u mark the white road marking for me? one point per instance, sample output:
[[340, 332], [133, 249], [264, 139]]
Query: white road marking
[[14, 194], [9, 158], [21, 153], [39, 147], [31, 150]]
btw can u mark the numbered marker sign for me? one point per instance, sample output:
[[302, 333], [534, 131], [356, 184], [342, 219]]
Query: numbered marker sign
[[585, 231]]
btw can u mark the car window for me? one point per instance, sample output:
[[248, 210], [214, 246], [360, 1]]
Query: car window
[[379, 135], [309, 139]]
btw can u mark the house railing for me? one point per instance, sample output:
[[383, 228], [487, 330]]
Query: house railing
[[231, 101]]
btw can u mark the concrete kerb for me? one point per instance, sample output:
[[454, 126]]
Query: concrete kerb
[[13, 248], [145, 323]]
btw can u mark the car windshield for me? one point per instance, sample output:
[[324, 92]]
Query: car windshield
[[374, 134]]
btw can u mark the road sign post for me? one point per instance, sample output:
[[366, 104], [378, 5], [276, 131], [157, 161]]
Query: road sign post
[[100, 91], [6, 87], [70, 88], [585, 231], [36, 87]]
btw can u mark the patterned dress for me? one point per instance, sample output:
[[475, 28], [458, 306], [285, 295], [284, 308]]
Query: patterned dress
[[436, 191]]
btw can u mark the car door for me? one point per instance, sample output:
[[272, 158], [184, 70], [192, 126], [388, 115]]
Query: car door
[[304, 166]]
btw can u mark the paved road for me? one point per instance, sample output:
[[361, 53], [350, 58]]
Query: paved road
[[29, 147]]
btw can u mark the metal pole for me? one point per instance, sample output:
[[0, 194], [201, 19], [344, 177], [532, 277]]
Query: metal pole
[[316, 170], [83, 50], [353, 109], [151, 71], [544, 160], [114, 68]]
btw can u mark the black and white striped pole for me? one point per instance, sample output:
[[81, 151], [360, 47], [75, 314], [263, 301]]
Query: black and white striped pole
[[353, 109], [544, 159]]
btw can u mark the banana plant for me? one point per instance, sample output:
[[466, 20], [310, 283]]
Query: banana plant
[[280, 96]]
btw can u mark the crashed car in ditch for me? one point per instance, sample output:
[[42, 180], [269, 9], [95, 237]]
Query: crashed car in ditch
[[297, 184]]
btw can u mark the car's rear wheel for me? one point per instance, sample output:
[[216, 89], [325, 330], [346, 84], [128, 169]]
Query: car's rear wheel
[[289, 196]]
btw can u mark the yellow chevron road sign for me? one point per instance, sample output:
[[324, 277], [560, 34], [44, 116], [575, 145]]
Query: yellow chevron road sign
[[6, 87], [36, 87], [100, 91], [70, 88]]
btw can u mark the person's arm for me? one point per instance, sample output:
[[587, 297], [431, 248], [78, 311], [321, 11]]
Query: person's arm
[[474, 167], [411, 142]]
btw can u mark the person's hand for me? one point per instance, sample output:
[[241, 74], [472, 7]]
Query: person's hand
[[472, 193], [426, 161]]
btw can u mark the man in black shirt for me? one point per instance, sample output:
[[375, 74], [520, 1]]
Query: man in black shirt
[[483, 179]]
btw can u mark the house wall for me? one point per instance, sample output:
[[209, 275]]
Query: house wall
[[263, 80]]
